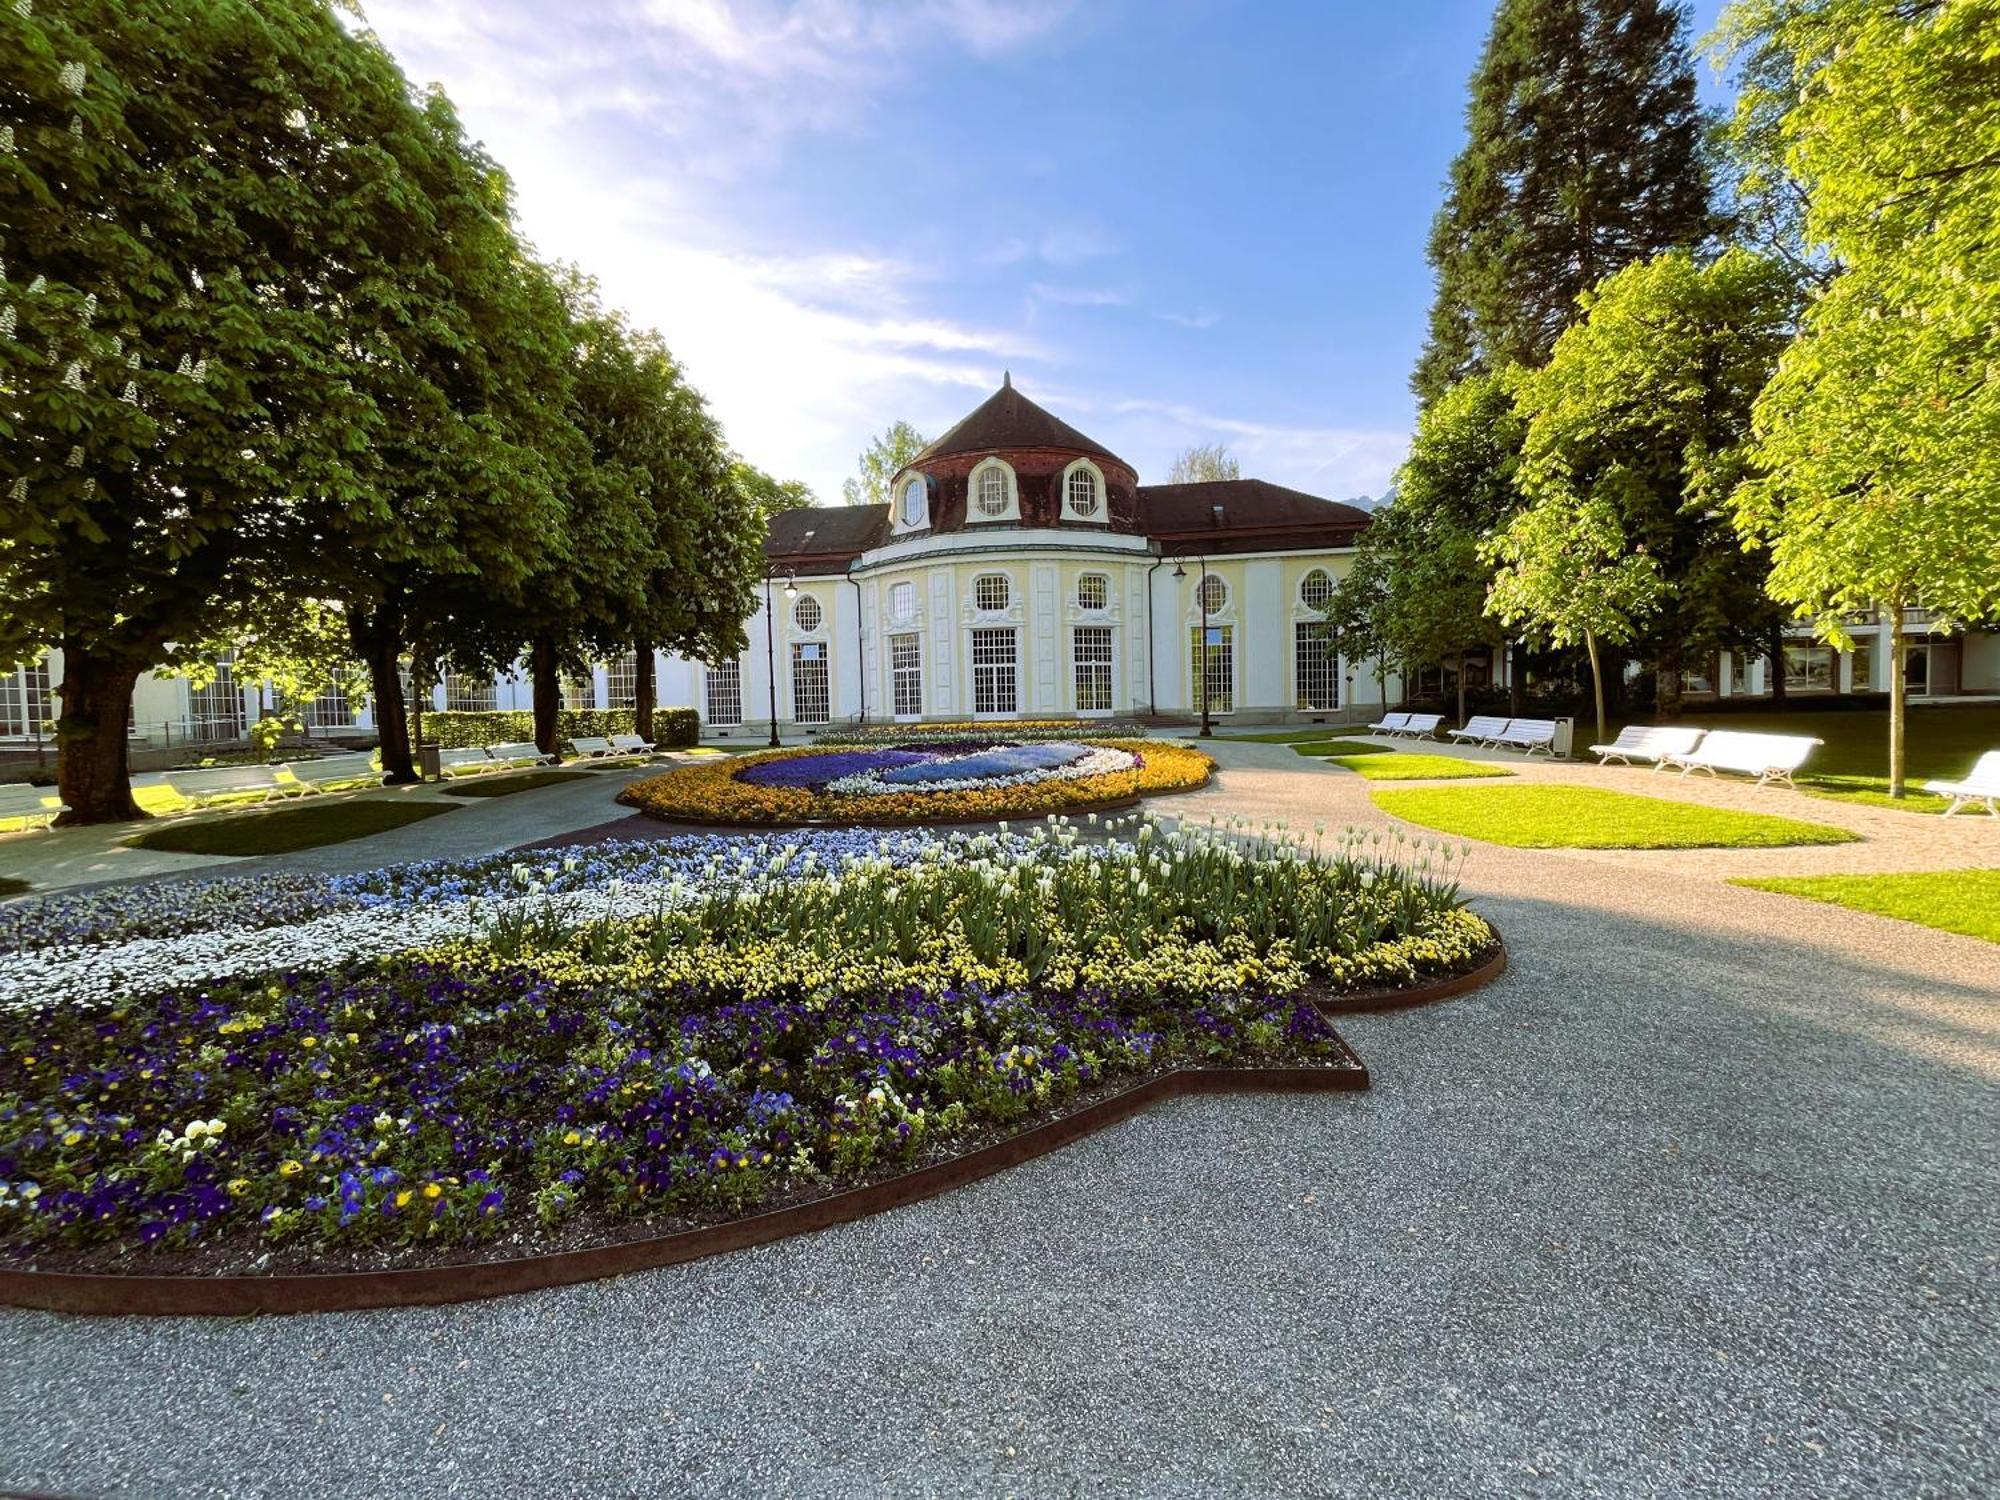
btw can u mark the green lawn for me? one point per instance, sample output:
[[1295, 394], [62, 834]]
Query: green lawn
[[1341, 747], [1581, 817], [1966, 901], [11, 885], [501, 786], [1288, 736], [306, 826], [1380, 767]]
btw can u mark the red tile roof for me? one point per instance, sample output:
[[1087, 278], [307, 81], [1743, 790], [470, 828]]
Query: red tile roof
[[1008, 419]]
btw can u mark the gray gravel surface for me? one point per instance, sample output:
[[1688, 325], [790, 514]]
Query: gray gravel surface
[[1697, 1200]]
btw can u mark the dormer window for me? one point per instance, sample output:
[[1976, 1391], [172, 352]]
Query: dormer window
[[992, 494], [915, 508], [1083, 492]]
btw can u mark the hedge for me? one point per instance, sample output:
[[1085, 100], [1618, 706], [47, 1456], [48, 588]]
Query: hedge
[[454, 730]]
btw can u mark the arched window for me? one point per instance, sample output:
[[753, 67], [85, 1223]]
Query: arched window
[[1212, 594], [806, 613], [993, 491], [1093, 591], [1083, 497], [915, 502], [1316, 588], [990, 591]]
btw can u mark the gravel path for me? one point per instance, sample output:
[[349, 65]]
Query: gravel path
[[1697, 1200]]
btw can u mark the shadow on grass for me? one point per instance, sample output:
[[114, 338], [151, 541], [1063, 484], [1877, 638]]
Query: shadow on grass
[[288, 829]]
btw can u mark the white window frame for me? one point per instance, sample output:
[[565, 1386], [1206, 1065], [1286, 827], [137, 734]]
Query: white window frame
[[621, 681], [1010, 510], [470, 693], [808, 695], [906, 675], [1312, 636], [1331, 584], [1102, 515], [818, 624], [1004, 605], [987, 674], [27, 701], [901, 590], [722, 693], [1224, 703], [1084, 604], [1102, 666], [900, 520]]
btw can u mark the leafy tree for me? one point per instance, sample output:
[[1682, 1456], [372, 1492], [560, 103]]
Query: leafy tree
[[1645, 406], [1584, 154], [177, 201], [1879, 435], [1203, 462], [881, 462], [766, 495], [1357, 615], [1567, 574]]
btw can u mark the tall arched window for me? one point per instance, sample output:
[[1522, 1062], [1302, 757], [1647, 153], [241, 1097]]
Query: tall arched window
[[1316, 588], [916, 502], [1212, 594], [992, 492], [1083, 497]]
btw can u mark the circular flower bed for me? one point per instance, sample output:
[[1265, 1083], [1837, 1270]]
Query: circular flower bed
[[967, 779], [625, 1041]]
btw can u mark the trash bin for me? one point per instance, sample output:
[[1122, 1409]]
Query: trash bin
[[1565, 733], [430, 762]]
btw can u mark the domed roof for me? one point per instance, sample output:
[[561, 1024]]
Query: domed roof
[[1008, 419]]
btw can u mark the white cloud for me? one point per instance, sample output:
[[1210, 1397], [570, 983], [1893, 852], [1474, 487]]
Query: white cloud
[[1190, 320], [1079, 296], [1337, 462]]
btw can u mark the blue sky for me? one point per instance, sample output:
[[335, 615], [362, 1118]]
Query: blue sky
[[1175, 221]]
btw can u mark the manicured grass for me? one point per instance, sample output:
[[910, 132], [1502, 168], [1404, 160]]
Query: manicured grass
[[11, 885], [1966, 901], [1580, 817], [1873, 791], [502, 786], [1286, 736], [290, 828], [1379, 767], [1341, 747]]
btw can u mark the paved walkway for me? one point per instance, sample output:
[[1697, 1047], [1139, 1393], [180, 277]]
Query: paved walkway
[[1698, 1199]]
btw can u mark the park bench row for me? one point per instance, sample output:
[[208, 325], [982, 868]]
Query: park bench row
[[1528, 735], [472, 760]]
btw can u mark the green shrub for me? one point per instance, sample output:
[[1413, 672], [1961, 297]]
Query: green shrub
[[454, 730]]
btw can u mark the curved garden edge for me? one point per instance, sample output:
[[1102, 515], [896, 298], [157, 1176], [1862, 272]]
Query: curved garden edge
[[121, 1295], [985, 820]]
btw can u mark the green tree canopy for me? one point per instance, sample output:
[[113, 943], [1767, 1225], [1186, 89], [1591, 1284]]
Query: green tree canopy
[[880, 462], [1202, 462]]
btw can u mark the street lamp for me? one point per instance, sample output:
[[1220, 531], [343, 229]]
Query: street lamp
[[1201, 599], [771, 642]]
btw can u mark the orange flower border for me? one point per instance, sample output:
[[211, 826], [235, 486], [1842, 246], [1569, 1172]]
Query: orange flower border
[[709, 793]]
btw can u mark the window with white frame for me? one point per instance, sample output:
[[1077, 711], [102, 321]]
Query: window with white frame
[[1213, 659], [1211, 594], [990, 591], [915, 502], [579, 693], [469, 693], [807, 614], [1090, 653], [902, 601], [812, 694], [25, 700], [723, 689], [989, 491], [621, 682], [329, 708], [995, 685], [1083, 492], [1093, 591], [216, 711], [1316, 589], [906, 674], [1315, 666], [1808, 668]]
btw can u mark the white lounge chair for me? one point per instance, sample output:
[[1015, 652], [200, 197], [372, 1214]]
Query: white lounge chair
[[1648, 743], [1390, 724], [520, 753], [245, 783], [1420, 726], [1528, 736], [1981, 787], [1480, 729], [1771, 758], [31, 806]]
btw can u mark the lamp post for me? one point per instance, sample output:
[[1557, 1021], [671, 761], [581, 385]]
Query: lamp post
[[1201, 600], [771, 642]]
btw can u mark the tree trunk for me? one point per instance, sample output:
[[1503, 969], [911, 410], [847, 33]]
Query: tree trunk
[[378, 641], [1459, 661], [1775, 670], [93, 769], [1899, 693], [1597, 686], [548, 694], [642, 692], [1517, 677], [1667, 679]]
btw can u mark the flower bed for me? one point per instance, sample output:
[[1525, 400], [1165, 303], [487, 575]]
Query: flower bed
[[775, 1020], [955, 780]]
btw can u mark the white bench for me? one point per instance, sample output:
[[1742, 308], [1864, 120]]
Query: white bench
[[317, 775], [1771, 758], [1648, 742], [1982, 786], [1480, 729], [1390, 724], [521, 752], [213, 784], [593, 747], [1528, 736], [468, 760], [632, 744], [31, 805], [1421, 726]]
